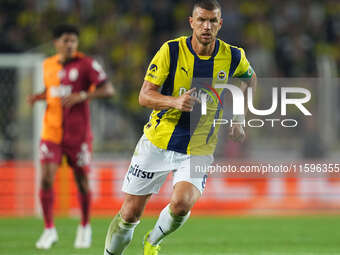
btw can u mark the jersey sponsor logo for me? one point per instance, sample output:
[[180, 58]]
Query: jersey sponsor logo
[[153, 68], [73, 74], [137, 172], [61, 90], [208, 98], [221, 76], [211, 92], [200, 93]]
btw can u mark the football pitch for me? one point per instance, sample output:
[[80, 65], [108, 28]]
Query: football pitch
[[263, 235]]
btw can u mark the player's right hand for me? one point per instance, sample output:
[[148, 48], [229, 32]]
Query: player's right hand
[[186, 102], [31, 99]]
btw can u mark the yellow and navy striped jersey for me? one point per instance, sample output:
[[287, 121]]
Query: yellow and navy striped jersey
[[177, 68]]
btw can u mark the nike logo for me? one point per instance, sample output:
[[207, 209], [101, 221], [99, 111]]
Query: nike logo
[[108, 252], [182, 68]]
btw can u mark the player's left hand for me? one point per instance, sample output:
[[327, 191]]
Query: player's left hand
[[237, 133], [72, 99]]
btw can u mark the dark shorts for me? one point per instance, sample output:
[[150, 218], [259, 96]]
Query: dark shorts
[[78, 157]]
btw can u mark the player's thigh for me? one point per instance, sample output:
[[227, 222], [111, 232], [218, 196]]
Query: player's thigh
[[81, 177], [133, 207], [144, 176], [188, 184], [138, 185], [186, 172], [139, 182], [50, 159]]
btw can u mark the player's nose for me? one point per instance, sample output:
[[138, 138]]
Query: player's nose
[[207, 25]]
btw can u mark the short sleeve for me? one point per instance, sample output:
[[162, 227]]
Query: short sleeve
[[243, 68], [96, 73], [158, 69]]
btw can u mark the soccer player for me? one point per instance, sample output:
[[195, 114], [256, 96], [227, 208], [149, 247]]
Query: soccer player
[[68, 76], [173, 140]]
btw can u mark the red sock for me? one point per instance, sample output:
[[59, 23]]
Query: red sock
[[85, 201], [46, 200]]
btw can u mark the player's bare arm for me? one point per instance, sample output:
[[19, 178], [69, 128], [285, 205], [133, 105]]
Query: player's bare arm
[[36, 97], [150, 97], [104, 90], [237, 133]]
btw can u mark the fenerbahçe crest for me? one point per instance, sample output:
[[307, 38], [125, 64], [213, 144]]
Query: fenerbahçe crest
[[221, 75]]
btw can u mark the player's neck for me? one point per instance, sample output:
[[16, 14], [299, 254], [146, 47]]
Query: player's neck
[[64, 58], [201, 49]]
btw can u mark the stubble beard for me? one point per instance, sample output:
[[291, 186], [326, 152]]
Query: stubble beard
[[204, 42]]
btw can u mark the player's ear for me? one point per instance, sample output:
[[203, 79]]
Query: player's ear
[[55, 42], [191, 21], [221, 22]]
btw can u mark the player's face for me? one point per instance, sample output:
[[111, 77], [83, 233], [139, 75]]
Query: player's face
[[67, 45], [205, 24]]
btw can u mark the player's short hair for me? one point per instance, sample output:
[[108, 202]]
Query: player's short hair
[[209, 5], [61, 29]]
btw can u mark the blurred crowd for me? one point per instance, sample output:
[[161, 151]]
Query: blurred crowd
[[281, 38]]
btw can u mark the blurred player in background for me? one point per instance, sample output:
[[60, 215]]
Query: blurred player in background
[[167, 144], [68, 76]]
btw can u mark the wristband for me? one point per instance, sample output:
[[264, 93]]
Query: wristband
[[239, 118], [83, 95]]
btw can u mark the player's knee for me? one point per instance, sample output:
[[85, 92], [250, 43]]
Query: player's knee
[[180, 207], [48, 172], [130, 213], [46, 182], [81, 180], [83, 189]]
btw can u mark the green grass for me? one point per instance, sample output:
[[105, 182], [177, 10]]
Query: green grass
[[200, 235]]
